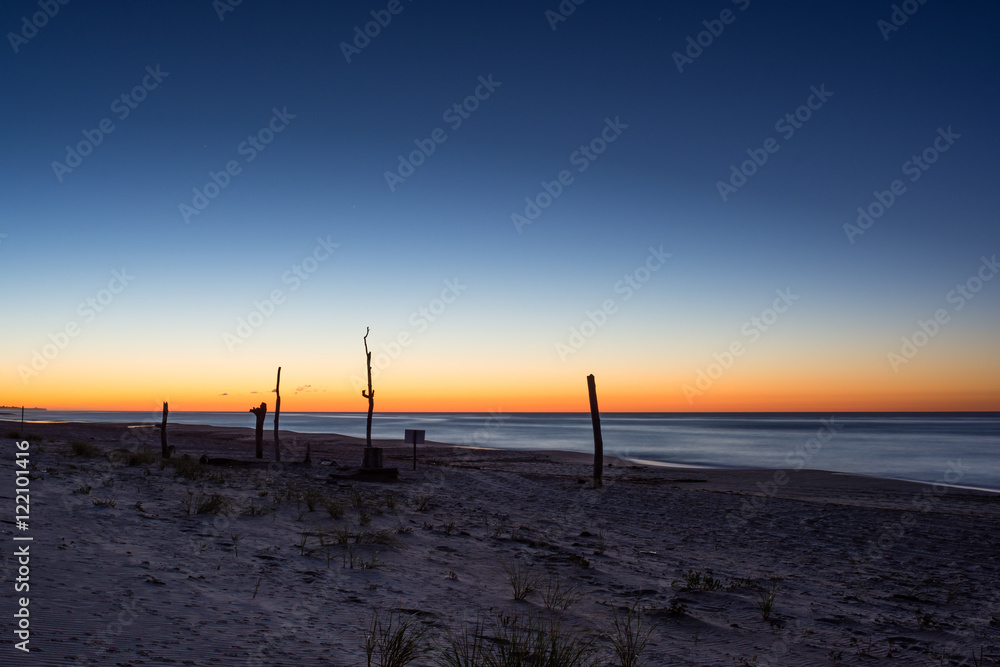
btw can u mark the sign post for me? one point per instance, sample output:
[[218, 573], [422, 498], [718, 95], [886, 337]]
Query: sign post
[[414, 437]]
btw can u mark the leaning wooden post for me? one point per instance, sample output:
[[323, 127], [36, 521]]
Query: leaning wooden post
[[277, 413], [595, 418], [164, 452]]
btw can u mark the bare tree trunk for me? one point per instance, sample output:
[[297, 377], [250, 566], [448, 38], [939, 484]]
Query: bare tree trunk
[[370, 395], [260, 413], [164, 452], [277, 413], [595, 418]]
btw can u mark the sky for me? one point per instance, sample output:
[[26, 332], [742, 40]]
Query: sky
[[711, 206]]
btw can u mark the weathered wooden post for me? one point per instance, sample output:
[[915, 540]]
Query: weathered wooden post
[[164, 451], [260, 413], [595, 418], [277, 413], [373, 455]]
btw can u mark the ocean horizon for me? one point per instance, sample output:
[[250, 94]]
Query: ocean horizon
[[957, 448]]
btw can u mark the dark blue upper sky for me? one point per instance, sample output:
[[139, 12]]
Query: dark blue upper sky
[[658, 183]]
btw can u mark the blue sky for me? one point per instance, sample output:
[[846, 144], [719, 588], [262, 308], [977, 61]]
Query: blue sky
[[324, 176]]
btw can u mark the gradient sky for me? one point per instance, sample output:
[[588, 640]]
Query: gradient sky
[[516, 292]]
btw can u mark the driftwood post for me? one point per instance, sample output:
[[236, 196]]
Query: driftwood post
[[370, 394], [373, 455], [260, 413], [595, 418], [164, 452], [277, 413]]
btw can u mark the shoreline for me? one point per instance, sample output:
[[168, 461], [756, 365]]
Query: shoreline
[[583, 457]]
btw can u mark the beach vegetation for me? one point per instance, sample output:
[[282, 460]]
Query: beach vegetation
[[558, 596], [335, 509], [393, 639], [384, 537], [85, 489], [214, 504], [185, 467], [135, 458], [523, 581], [253, 510], [698, 581], [517, 641], [602, 542], [372, 563], [630, 633], [765, 600], [677, 609], [84, 449], [313, 498], [104, 502], [465, 648]]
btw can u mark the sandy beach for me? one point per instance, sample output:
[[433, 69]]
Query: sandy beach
[[138, 563]]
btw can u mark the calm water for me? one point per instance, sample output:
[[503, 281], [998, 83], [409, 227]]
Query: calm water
[[918, 446]]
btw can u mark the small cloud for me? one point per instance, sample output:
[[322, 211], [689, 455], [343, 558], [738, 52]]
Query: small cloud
[[305, 387], [254, 392], [224, 394]]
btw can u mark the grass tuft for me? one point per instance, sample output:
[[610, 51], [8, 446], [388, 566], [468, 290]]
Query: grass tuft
[[523, 581], [765, 600], [214, 504], [84, 449], [392, 640], [630, 635]]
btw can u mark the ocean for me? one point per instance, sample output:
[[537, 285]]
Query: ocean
[[958, 448]]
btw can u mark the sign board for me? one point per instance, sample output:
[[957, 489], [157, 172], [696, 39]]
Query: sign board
[[414, 437]]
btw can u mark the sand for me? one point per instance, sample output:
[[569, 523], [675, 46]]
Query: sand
[[865, 571]]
